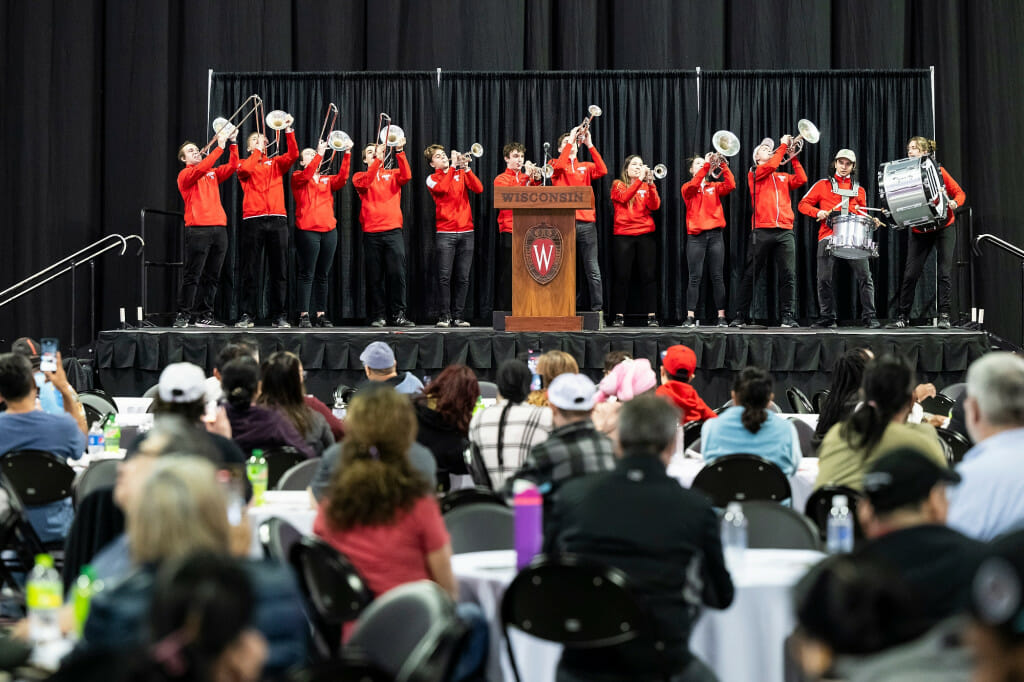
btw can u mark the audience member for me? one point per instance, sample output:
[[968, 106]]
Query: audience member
[[614, 357], [443, 411], [663, 536], [749, 427], [25, 427], [380, 365], [282, 388], [550, 365], [504, 432], [843, 390], [626, 380], [990, 501], [877, 426], [996, 632], [56, 395], [253, 426], [677, 369]]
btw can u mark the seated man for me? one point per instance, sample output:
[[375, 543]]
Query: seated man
[[663, 536], [25, 427], [380, 365], [51, 397], [677, 370]]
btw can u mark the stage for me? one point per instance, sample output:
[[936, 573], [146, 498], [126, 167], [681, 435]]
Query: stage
[[130, 361]]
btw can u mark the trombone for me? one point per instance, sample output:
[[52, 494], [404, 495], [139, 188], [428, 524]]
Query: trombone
[[460, 160], [220, 123], [593, 110], [725, 144], [389, 135], [807, 131], [277, 120], [337, 140]]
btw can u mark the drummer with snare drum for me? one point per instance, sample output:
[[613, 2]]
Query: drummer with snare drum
[[845, 231]]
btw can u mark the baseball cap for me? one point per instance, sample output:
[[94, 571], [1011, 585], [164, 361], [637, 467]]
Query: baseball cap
[[29, 348], [766, 142], [997, 592], [846, 154], [572, 392], [903, 477], [678, 358], [182, 382], [378, 355]]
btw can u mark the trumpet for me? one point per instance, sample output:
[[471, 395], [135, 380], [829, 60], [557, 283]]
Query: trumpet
[[220, 124], [536, 172], [593, 110], [659, 172], [807, 131], [461, 160], [725, 144]]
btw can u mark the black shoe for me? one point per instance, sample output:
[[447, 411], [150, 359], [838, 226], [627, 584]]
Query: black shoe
[[181, 321], [323, 322], [737, 322], [823, 323], [652, 321], [245, 322], [619, 321], [899, 323], [304, 322], [689, 323], [403, 321], [282, 323], [872, 323], [788, 322], [444, 322], [460, 323], [208, 321], [379, 322], [944, 321], [722, 322]]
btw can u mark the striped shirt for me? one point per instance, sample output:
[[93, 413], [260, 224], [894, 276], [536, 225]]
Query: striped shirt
[[524, 426]]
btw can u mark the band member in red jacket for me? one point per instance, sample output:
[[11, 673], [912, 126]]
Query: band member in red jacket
[[839, 195], [206, 236], [634, 248], [517, 173], [449, 184], [920, 244], [316, 236], [772, 227], [380, 190], [574, 173], [705, 223], [264, 228]]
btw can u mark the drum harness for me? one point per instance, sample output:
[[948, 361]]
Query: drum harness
[[846, 194]]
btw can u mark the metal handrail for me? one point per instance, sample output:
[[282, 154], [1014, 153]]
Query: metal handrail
[[1001, 243]]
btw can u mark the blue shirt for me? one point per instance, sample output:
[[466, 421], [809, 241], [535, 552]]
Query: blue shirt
[[776, 440], [56, 433], [990, 499]]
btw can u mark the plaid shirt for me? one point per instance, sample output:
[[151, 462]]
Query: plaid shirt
[[525, 426], [571, 450]]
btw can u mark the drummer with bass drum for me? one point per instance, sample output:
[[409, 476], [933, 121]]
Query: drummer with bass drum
[[836, 202], [924, 237]]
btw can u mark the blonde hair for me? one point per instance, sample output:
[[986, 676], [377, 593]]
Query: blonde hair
[[554, 363], [923, 143], [181, 510]]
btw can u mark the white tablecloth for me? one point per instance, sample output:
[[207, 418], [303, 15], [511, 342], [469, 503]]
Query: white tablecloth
[[295, 510], [685, 469], [741, 644]]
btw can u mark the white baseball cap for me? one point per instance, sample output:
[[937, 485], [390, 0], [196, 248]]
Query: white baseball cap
[[846, 154], [182, 382], [572, 392]]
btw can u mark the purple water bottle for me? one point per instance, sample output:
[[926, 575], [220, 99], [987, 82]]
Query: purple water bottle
[[529, 509]]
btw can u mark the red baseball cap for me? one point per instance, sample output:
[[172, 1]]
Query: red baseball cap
[[678, 358]]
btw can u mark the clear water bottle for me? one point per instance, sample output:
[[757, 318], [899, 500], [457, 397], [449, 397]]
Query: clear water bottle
[[44, 594], [111, 434], [84, 589], [840, 526], [734, 538], [96, 438]]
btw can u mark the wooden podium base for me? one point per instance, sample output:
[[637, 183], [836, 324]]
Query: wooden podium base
[[571, 323]]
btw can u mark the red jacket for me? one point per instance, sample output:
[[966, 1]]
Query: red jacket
[[200, 188], [451, 203], [954, 192], [314, 201], [820, 197], [576, 173], [685, 397], [262, 183], [510, 178], [381, 194], [773, 206], [633, 206], [704, 200]]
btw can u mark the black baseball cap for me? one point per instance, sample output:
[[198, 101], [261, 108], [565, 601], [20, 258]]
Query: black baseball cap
[[29, 348], [902, 477]]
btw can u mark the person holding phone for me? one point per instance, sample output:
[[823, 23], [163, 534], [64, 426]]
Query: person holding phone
[[55, 394]]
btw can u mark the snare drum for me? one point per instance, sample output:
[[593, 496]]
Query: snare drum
[[853, 237], [913, 192]]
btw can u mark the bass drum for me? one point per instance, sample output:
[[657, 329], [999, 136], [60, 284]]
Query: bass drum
[[853, 237], [913, 192]]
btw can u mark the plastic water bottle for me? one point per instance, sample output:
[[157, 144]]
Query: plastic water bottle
[[734, 538], [96, 438], [256, 470], [111, 434], [85, 588], [840, 526], [44, 598], [529, 517]]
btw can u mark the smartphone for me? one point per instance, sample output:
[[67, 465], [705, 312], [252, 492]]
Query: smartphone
[[531, 362], [48, 359]]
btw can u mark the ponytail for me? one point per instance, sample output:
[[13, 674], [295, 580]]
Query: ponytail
[[753, 388], [239, 380], [887, 389]]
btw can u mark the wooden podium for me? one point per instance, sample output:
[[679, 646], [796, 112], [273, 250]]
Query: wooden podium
[[543, 255]]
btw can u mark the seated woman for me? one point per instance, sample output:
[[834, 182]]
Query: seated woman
[[843, 390], [549, 366], [878, 425], [443, 411], [283, 390], [253, 426], [750, 427]]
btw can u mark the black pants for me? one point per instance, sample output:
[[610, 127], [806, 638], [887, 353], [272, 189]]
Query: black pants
[[919, 245], [709, 247], [205, 248], [316, 256], [635, 253], [454, 259], [588, 264], [766, 242], [503, 287], [861, 271], [265, 235], [385, 273]]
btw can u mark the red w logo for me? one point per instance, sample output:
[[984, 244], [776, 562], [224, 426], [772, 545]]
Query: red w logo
[[542, 254]]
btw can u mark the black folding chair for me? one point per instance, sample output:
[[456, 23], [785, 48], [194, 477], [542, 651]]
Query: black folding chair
[[818, 399], [480, 528], [298, 477], [470, 496], [805, 432], [798, 400], [280, 460], [488, 390], [954, 391], [277, 537], [19, 542], [742, 477], [819, 504], [938, 404], [38, 476], [691, 432], [100, 474], [772, 526], [97, 404], [957, 445]]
